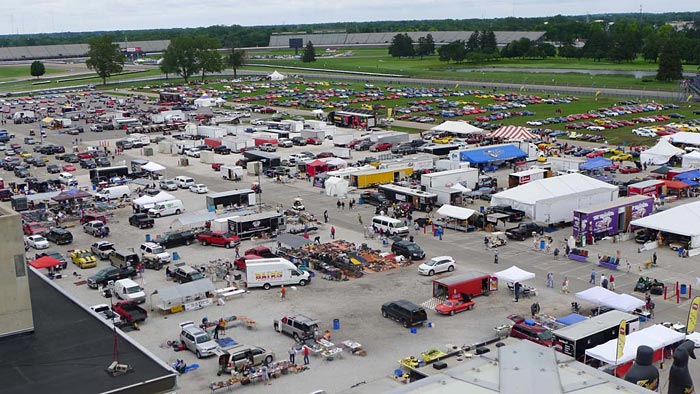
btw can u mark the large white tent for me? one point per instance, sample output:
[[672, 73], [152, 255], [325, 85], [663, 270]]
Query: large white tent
[[152, 167], [147, 202], [454, 212], [691, 160], [275, 76], [456, 128], [682, 220], [514, 274], [656, 336], [604, 297], [552, 200], [685, 137], [336, 186], [660, 153]]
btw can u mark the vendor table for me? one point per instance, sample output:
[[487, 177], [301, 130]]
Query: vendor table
[[354, 347]]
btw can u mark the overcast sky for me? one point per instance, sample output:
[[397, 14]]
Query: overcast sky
[[44, 16]]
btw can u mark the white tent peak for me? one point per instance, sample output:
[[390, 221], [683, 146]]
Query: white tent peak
[[456, 127], [276, 76], [660, 153], [514, 274]]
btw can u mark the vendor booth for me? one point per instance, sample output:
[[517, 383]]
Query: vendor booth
[[316, 167], [682, 221], [186, 296], [155, 170], [551, 200], [518, 133], [691, 160], [457, 128], [602, 297], [660, 153], [679, 189], [596, 163], [515, 275], [147, 202], [657, 337], [455, 217], [490, 157], [45, 262], [336, 187]]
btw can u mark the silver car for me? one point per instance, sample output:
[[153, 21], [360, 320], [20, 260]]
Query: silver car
[[197, 340]]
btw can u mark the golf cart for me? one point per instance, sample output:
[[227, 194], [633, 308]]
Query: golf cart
[[497, 239], [298, 204]]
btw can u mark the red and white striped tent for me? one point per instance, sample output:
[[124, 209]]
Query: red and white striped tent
[[514, 133]]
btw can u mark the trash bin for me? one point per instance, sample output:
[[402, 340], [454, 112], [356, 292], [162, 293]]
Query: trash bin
[[684, 289], [148, 237], [176, 256], [360, 201], [543, 244], [336, 324]]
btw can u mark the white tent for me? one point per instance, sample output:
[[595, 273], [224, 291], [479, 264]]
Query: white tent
[[656, 336], [459, 187], [682, 220], [152, 167], [336, 186], [691, 160], [336, 162], [454, 212], [275, 76], [685, 138], [147, 202], [604, 297], [514, 274], [660, 153], [204, 101], [457, 128], [552, 200]]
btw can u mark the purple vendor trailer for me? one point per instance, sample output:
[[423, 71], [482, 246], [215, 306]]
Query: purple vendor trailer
[[611, 218]]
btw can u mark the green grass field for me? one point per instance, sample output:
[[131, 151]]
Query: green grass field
[[17, 72]]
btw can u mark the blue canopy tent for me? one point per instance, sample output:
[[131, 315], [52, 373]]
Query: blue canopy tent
[[691, 178], [571, 319], [487, 155], [596, 163]]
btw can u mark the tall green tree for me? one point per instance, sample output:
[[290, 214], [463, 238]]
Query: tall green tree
[[473, 43], [168, 65], [37, 69], [209, 58], [426, 46], [309, 55], [488, 42], [670, 65], [402, 46], [104, 57], [182, 54], [236, 60]]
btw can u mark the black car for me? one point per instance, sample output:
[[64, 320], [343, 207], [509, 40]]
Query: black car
[[87, 163], [70, 158], [524, 230], [299, 141], [374, 198], [418, 143], [105, 275], [643, 237], [55, 255], [407, 249], [514, 215], [405, 312], [59, 236], [39, 162], [102, 162], [5, 194], [53, 169], [170, 240], [222, 150]]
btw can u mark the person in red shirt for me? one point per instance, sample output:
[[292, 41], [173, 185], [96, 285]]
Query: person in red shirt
[[306, 355]]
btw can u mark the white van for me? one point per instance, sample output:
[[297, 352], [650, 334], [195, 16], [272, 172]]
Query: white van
[[127, 289], [184, 182], [389, 225], [165, 208], [113, 193], [277, 271], [66, 178]]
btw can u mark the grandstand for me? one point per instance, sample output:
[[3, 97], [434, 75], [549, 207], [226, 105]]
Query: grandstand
[[281, 40], [72, 50]]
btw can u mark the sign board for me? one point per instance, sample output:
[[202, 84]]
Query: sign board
[[199, 304]]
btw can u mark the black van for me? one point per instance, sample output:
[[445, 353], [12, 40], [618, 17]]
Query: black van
[[405, 312], [59, 236]]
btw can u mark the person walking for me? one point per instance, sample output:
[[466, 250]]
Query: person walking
[[593, 275], [359, 218], [611, 282], [306, 355], [495, 256], [338, 204], [264, 371], [565, 286], [629, 266], [653, 259], [535, 309], [516, 290], [486, 243], [325, 216], [556, 253], [332, 232], [342, 205], [238, 252], [283, 293], [604, 282], [292, 354], [550, 280], [227, 278]]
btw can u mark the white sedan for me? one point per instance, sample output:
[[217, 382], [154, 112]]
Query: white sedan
[[193, 152], [199, 188], [37, 242], [436, 265]]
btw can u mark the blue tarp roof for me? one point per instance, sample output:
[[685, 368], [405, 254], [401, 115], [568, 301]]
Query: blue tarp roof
[[596, 163], [692, 178], [571, 319], [489, 154]]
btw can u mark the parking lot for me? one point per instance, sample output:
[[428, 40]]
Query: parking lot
[[356, 302]]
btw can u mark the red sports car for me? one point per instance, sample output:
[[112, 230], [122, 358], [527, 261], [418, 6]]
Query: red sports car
[[68, 168], [452, 306], [595, 153], [629, 170]]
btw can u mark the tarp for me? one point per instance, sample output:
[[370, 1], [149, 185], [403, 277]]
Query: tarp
[[195, 217], [514, 133], [490, 154], [681, 220], [691, 160], [42, 196], [676, 185], [336, 187], [178, 294], [457, 128], [595, 163], [660, 153], [603, 297], [553, 200], [656, 336], [691, 178], [336, 162], [454, 212], [514, 274], [44, 262], [152, 167], [292, 240], [571, 319], [71, 195]]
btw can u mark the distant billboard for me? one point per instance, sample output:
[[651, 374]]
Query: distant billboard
[[296, 43]]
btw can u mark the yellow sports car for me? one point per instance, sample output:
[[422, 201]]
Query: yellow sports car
[[83, 259], [621, 157], [442, 140]]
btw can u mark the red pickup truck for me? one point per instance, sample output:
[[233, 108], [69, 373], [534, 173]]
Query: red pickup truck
[[130, 311], [34, 228], [219, 238], [256, 253]]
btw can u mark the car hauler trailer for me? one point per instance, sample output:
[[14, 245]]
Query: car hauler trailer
[[255, 225], [467, 286], [369, 178], [239, 197], [420, 200], [575, 339]]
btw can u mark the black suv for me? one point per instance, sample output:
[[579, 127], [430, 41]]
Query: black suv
[[222, 150], [170, 240], [59, 236], [405, 312], [514, 215], [141, 220], [407, 249], [299, 141], [5, 194], [374, 198], [87, 163], [102, 162], [186, 274], [105, 275]]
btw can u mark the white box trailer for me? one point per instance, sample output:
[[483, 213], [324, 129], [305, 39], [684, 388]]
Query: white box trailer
[[315, 124], [343, 153], [392, 137], [211, 132], [564, 164], [344, 137], [232, 172], [293, 125], [312, 133], [523, 177], [277, 271], [468, 177], [446, 164], [237, 144]]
